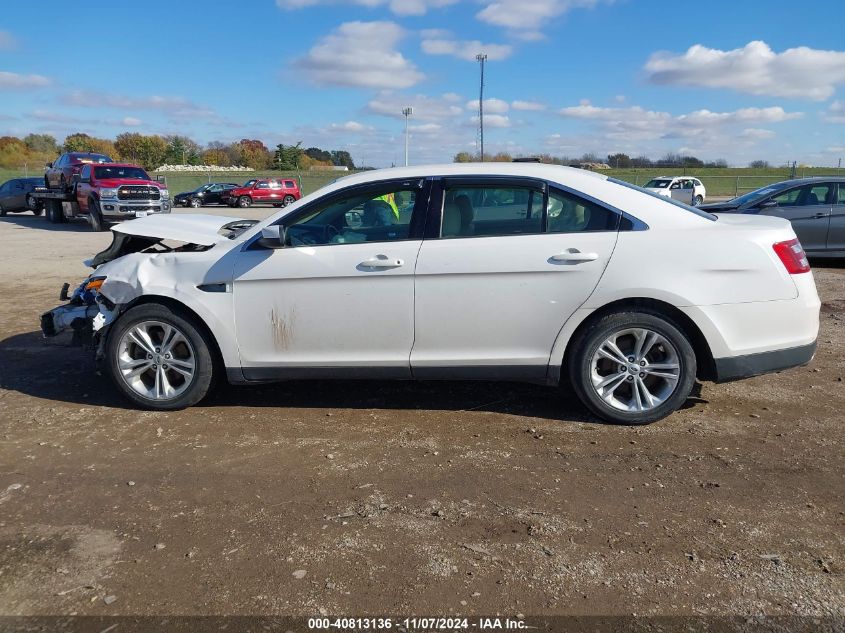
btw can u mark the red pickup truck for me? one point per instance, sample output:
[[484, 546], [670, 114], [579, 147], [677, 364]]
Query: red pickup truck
[[112, 191], [280, 192]]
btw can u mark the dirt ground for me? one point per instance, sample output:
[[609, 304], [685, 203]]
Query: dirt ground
[[352, 498]]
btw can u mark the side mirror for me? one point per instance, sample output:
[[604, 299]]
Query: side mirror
[[273, 236], [768, 204], [48, 165], [161, 179]]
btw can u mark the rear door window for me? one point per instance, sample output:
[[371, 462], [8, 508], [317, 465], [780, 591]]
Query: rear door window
[[491, 210]]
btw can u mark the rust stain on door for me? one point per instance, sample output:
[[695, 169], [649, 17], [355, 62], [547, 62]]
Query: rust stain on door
[[282, 327]]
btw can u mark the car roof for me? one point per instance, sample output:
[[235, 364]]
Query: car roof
[[809, 180], [528, 170]]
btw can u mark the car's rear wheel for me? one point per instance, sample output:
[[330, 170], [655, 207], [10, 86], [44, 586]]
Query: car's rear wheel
[[2, 211], [159, 358], [244, 202], [288, 200], [632, 367]]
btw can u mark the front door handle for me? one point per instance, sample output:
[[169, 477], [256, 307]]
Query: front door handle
[[382, 261], [820, 215], [575, 256]]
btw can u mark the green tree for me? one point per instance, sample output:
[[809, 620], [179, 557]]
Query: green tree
[[342, 158], [619, 161], [287, 157], [182, 151], [42, 143]]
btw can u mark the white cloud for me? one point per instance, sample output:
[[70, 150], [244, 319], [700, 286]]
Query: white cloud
[[466, 50], [493, 106], [426, 108], [757, 134], [361, 55], [528, 106], [175, 106], [802, 73], [636, 123], [527, 17], [835, 113], [493, 121], [7, 41], [14, 81], [349, 126], [131, 121], [426, 128], [399, 7]]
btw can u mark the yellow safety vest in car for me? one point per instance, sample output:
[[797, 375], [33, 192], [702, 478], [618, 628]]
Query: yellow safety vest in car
[[390, 198]]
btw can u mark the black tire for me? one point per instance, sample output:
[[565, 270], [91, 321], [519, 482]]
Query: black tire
[[54, 212], [277, 204], [288, 200], [697, 201], [95, 216], [244, 202], [196, 335], [587, 343], [33, 205], [2, 211]]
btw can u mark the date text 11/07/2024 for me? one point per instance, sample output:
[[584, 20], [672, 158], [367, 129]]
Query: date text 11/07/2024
[[417, 624]]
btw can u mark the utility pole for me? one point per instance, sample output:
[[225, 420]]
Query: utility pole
[[481, 58], [407, 112]]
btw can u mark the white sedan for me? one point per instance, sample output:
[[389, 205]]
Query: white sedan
[[490, 271]]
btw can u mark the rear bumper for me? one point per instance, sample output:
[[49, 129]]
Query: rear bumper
[[738, 367]]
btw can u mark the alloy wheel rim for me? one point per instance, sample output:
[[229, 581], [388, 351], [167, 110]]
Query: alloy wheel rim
[[156, 360], [635, 370]]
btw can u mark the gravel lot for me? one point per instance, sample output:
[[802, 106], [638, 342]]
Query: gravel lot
[[426, 498]]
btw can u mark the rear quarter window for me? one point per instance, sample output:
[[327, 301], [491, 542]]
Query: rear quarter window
[[680, 205]]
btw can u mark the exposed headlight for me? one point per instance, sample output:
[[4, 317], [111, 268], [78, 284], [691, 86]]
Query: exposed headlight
[[94, 283], [165, 194], [108, 193]]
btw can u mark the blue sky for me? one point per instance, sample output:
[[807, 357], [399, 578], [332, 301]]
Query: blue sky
[[717, 79]]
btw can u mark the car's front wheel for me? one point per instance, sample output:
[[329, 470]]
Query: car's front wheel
[[244, 202], [632, 367], [159, 358], [195, 203], [697, 201]]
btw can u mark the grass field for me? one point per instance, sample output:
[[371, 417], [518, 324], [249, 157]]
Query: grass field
[[720, 182]]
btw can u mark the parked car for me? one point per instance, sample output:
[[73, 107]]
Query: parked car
[[280, 192], [116, 191], [210, 193], [15, 196], [493, 271], [60, 173], [814, 206], [682, 188]]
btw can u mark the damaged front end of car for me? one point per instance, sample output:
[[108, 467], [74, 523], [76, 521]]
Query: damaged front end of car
[[144, 247]]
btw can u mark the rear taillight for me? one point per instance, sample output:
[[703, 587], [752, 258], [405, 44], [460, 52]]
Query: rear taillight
[[793, 256]]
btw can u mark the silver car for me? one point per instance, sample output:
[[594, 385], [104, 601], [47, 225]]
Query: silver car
[[814, 206]]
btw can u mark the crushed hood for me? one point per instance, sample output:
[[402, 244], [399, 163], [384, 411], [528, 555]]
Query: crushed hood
[[200, 228]]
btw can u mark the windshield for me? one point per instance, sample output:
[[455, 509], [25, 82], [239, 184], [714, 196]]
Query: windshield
[[658, 183], [129, 173], [753, 196]]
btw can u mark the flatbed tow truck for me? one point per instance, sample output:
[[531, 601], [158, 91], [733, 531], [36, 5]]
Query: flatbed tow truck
[[105, 198]]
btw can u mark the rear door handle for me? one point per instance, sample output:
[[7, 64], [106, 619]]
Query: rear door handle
[[382, 261], [574, 255]]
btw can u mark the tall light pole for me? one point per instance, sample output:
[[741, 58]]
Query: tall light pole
[[481, 58], [407, 112]]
